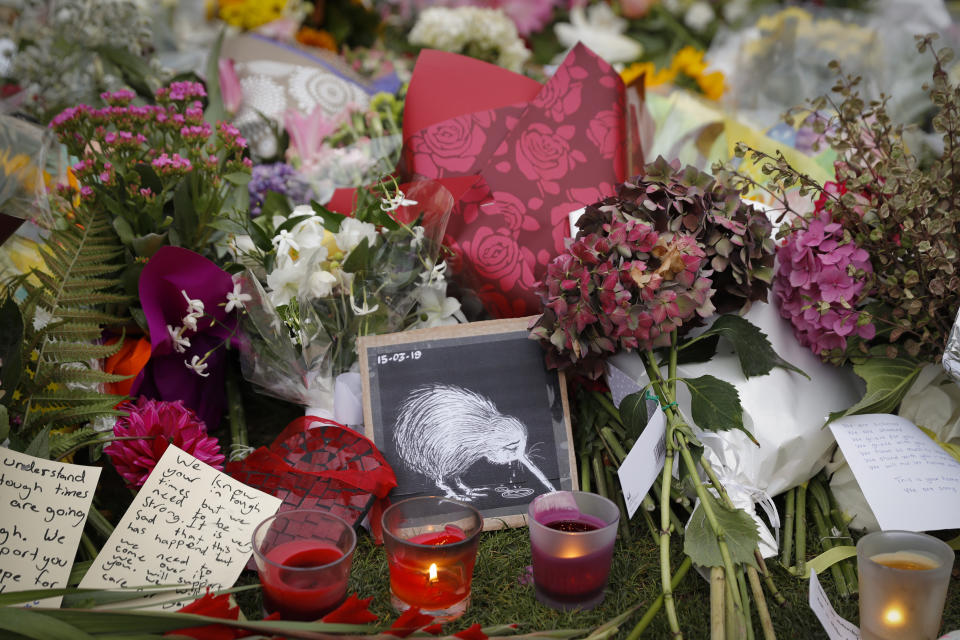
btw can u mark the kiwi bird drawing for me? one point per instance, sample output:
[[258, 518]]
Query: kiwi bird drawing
[[442, 430]]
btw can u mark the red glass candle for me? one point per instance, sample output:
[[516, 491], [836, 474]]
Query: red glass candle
[[303, 558], [431, 548]]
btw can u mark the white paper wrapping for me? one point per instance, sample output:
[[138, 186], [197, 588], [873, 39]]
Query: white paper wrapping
[[784, 411]]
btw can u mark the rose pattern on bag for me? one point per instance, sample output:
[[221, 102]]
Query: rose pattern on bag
[[539, 161]]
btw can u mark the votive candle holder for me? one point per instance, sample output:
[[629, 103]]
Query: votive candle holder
[[431, 546], [572, 534], [903, 579]]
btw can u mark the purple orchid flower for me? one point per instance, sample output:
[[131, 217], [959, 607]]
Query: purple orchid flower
[[169, 273]]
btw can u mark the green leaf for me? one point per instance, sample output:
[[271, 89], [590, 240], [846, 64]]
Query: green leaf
[[291, 222], [239, 178], [4, 423], [275, 204], [358, 258], [700, 541], [185, 215], [888, 380], [715, 404], [215, 109], [39, 447], [757, 357], [633, 412], [33, 624], [701, 349], [11, 342], [331, 219]]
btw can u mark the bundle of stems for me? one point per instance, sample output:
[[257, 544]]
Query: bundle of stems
[[732, 583]]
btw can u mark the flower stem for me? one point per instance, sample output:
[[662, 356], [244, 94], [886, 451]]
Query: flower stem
[[717, 590], [788, 527], [585, 472], [665, 577], [801, 535], [766, 623], [654, 609], [598, 474], [238, 421]]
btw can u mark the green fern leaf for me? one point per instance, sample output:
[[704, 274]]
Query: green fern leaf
[[62, 443]]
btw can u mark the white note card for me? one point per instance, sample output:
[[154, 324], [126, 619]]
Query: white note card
[[909, 481], [189, 525], [45, 505], [836, 627], [643, 464]]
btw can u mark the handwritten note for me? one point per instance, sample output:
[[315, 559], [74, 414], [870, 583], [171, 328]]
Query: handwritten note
[[190, 525], [45, 505], [909, 481], [836, 627], [643, 464]]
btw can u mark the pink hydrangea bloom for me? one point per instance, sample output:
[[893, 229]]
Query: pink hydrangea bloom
[[820, 284], [158, 424]]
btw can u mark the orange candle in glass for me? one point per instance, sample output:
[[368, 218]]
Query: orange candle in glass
[[431, 546]]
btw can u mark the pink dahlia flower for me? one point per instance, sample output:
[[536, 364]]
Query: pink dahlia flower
[[158, 424], [820, 283]]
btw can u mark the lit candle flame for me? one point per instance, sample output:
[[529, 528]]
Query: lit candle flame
[[433, 572], [893, 616]]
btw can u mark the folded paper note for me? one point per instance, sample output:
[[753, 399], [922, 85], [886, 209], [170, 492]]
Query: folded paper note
[[45, 505], [189, 525], [540, 150]]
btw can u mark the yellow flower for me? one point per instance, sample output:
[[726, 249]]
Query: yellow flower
[[250, 14], [689, 61], [651, 77], [712, 85]]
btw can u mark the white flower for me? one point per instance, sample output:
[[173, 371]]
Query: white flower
[[198, 366], [319, 284], [435, 309], [699, 16], [190, 322], [397, 201], [464, 29], [180, 342], [364, 309], [435, 276], [308, 235], [236, 298], [352, 231], [417, 241], [285, 243], [194, 306], [601, 31], [41, 318], [284, 281]]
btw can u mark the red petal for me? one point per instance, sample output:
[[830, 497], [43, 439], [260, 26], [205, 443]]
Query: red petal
[[214, 607], [471, 633], [434, 629], [353, 611], [408, 622]]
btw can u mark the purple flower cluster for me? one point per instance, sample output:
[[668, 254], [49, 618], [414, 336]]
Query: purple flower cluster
[[119, 98], [281, 178], [171, 164], [623, 287], [181, 92], [821, 285]]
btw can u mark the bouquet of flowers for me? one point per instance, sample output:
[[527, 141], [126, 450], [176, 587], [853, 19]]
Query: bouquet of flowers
[[164, 174], [331, 278], [670, 249], [869, 277]]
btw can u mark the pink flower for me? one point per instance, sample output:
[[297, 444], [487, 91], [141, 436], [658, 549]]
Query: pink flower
[[821, 284], [230, 90], [530, 16], [307, 133], [157, 424]]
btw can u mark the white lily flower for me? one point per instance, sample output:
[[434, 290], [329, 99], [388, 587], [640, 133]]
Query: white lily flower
[[190, 322], [435, 309], [352, 231], [198, 366], [236, 298], [363, 310], [599, 29]]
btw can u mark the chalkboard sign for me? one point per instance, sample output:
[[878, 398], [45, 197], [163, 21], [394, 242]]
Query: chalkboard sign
[[469, 412]]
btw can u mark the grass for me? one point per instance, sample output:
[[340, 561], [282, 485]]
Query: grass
[[498, 596]]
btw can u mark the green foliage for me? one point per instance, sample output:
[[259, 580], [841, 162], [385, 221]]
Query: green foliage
[[888, 380], [11, 339], [740, 532], [715, 404], [63, 313], [757, 357]]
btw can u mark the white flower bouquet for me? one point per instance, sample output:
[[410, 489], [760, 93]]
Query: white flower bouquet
[[326, 279]]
